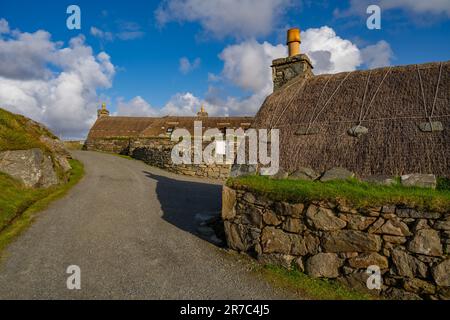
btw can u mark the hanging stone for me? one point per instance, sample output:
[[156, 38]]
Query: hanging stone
[[431, 126], [307, 130], [357, 131]]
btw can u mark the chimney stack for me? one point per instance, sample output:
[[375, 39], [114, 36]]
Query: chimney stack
[[296, 64], [293, 41], [103, 112]]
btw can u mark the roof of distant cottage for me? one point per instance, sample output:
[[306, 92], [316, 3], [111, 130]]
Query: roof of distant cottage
[[130, 127]]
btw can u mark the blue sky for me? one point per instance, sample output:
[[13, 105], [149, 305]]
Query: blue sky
[[221, 43]]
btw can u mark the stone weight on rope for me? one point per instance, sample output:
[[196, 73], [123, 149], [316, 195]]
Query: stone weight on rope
[[357, 131], [433, 126]]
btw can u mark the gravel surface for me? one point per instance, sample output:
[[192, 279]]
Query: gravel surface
[[131, 229]]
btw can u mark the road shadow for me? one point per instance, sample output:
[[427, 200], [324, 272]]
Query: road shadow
[[191, 206]]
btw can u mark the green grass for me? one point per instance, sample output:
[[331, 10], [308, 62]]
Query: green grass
[[19, 205], [360, 194], [18, 133], [317, 289]]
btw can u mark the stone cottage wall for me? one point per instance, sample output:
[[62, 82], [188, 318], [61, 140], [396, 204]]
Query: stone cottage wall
[[112, 145], [332, 240], [157, 152]]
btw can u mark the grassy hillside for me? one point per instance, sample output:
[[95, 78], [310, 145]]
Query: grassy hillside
[[20, 133], [19, 204]]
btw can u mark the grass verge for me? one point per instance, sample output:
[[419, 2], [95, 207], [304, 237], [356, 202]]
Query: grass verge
[[357, 193], [19, 205], [316, 289]]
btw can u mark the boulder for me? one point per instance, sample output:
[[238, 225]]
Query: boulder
[[304, 174], [443, 224], [271, 218], [304, 245], [427, 242], [394, 228], [281, 174], [337, 174], [241, 237], [238, 170], [293, 225], [399, 294], [368, 259], [357, 222], [323, 265], [380, 180], [275, 241], [277, 259], [407, 265], [323, 219], [441, 273], [32, 167], [419, 180], [287, 209], [415, 214], [351, 241], [228, 203], [419, 286]]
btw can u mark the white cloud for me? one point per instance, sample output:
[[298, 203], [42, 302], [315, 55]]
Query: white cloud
[[136, 107], [53, 84], [187, 66], [328, 52], [126, 31], [247, 66], [104, 35], [435, 7], [4, 26], [222, 18], [377, 55]]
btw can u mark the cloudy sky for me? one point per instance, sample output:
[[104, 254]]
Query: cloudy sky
[[167, 57]]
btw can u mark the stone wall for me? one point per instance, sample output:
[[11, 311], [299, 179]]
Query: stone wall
[[157, 152], [112, 145], [333, 240]]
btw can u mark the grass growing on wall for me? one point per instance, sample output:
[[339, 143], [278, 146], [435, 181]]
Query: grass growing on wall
[[360, 194], [316, 289], [18, 204]]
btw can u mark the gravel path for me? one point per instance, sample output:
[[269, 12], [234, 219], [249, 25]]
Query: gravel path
[[131, 229]]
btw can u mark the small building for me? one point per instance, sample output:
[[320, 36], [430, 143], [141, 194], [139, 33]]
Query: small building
[[149, 138]]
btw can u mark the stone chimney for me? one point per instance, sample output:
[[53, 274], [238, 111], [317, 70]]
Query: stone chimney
[[296, 64], [202, 113], [103, 112]]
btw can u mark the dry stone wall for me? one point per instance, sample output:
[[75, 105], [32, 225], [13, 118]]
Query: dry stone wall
[[333, 240], [156, 151]]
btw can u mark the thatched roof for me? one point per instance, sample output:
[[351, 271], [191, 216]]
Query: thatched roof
[[314, 115], [161, 125], [132, 127], [107, 127]]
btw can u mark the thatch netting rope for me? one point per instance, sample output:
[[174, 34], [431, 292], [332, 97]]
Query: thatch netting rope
[[437, 90], [365, 120], [321, 110], [364, 99], [376, 92], [294, 95]]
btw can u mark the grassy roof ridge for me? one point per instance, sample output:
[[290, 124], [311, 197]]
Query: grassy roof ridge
[[355, 193]]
